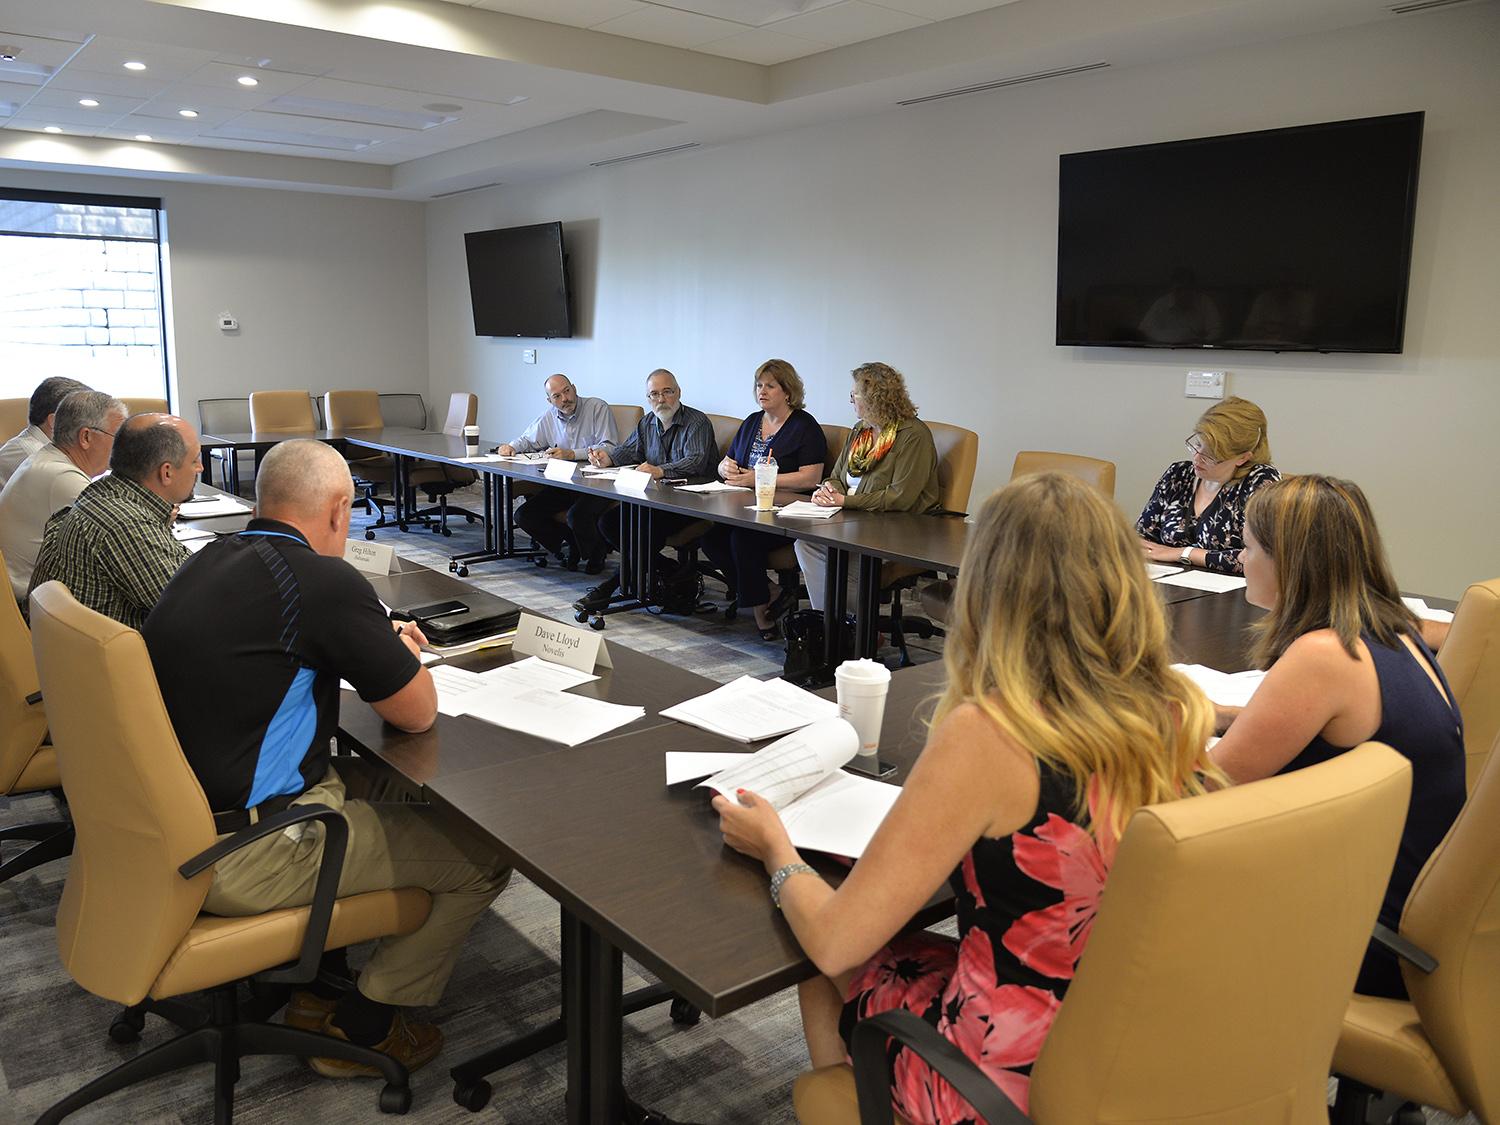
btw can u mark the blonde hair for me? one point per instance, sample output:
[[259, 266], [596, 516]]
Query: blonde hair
[[884, 391], [1065, 649], [1234, 427], [1331, 569], [785, 376]]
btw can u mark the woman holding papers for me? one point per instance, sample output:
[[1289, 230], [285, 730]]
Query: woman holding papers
[[1061, 716], [1196, 514], [1346, 664], [889, 464], [783, 431]]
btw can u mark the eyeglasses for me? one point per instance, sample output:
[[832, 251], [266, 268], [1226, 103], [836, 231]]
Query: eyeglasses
[[665, 392], [107, 433], [1198, 449]]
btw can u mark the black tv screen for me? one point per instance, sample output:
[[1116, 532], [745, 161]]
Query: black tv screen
[[518, 281], [1284, 240]]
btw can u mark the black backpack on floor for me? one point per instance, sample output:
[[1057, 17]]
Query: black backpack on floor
[[804, 664]]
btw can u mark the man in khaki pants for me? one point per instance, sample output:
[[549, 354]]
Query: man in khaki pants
[[294, 618]]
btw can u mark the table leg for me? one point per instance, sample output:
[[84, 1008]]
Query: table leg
[[592, 975], [835, 605], [867, 607]]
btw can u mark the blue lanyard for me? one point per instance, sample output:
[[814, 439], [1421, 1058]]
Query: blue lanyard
[[278, 534]]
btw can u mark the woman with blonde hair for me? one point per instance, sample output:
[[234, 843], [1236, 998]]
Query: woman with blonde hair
[[1196, 514], [1062, 715], [1346, 663], [889, 464]]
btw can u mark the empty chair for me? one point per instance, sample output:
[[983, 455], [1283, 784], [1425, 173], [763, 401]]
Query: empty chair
[[438, 481], [1470, 658], [360, 410], [218, 416], [14, 416], [403, 408], [1154, 1029], [145, 405], [282, 412]]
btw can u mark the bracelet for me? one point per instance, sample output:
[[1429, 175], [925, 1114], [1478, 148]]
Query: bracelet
[[782, 875], [1186, 558]]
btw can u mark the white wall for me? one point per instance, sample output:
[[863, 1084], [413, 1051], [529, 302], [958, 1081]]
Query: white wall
[[926, 237], [330, 291]]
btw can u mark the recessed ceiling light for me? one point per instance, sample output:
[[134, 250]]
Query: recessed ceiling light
[[52, 129], [246, 80], [187, 113], [88, 103], [133, 65], [143, 136], [9, 53], [443, 107]]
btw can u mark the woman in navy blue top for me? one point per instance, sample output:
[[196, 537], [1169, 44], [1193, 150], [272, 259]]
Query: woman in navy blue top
[[1346, 663], [783, 430]]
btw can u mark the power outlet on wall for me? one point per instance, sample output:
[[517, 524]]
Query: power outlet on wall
[[1205, 384], [528, 355]]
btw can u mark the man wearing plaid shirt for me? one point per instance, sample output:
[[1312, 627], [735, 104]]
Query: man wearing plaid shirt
[[113, 549]]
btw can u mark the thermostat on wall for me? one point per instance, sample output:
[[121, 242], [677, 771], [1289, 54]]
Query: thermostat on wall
[[1205, 384], [227, 323]]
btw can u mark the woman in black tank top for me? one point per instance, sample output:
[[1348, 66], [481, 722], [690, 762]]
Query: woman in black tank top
[[1346, 664]]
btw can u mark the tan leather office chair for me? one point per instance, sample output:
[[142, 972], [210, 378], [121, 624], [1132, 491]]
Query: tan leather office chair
[[129, 926], [1218, 970], [360, 410], [145, 406], [1470, 659], [28, 763], [936, 597], [282, 412], [725, 429], [626, 419], [14, 417], [1440, 1047]]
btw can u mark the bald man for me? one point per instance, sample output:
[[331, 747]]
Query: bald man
[[291, 618], [114, 547]]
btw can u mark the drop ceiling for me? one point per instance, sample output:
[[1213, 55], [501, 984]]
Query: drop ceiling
[[416, 98]]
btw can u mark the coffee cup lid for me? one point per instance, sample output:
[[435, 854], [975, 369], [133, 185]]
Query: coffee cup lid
[[863, 671]]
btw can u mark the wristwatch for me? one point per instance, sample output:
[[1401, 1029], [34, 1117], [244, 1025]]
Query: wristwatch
[[1186, 558]]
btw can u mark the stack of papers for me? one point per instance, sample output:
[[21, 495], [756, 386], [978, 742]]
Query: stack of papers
[[748, 710], [1426, 612], [525, 458], [528, 696], [210, 506], [713, 486], [457, 688], [1227, 689], [807, 510], [1204, 580], [601, 474], [193, 538]]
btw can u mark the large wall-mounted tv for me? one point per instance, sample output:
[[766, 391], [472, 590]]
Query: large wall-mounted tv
[[1284, 240], [518, 281]]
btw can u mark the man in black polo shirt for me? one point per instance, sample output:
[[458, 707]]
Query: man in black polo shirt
[[292, 618]]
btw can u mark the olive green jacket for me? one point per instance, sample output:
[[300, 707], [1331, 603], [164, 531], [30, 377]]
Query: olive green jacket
[[904, 480]]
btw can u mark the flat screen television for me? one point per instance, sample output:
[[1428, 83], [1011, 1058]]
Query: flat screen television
[[518, 281], [1284, 240]]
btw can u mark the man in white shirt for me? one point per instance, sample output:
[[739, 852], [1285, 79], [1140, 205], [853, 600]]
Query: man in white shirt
[[570, 428], [38, 432], [83, 434]]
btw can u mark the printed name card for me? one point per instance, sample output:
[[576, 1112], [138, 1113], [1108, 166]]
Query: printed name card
[[558, 469], [570, 645], [633, 480], [372, 558]]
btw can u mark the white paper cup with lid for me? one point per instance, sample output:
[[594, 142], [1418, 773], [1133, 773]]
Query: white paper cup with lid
[[862, 686]]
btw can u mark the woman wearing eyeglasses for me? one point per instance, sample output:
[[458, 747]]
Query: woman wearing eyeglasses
[[1196, 514]]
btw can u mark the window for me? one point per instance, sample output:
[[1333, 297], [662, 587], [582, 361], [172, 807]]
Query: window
[[81, 292]]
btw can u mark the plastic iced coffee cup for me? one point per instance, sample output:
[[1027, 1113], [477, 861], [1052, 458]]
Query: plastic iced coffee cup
[[471, 440], [862, 686], [765, 486]]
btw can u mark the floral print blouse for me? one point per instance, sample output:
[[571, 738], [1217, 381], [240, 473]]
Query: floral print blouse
[[1026, 905], [1220, 530]]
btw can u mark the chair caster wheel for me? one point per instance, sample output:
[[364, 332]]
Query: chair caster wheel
[[730, 612], [447, 534], [452, 567], [541, 563], [581, 616], [469, 518], [684, 1014], [403, 527], [473, 1096], [369, 534], [127, 1027], [597, 623], [463, 572], [1409, 1114], [395, 1099]]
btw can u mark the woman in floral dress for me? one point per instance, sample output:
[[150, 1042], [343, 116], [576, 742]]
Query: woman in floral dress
[[1196, 514], [1061, 716]]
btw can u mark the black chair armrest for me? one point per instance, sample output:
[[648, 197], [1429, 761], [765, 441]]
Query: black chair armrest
[[325, 891], [1404, 949], [872, 1073], [33, 699]]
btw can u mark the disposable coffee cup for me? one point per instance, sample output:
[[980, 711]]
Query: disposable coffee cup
[[862, 686], [471, 440], [765, 486]]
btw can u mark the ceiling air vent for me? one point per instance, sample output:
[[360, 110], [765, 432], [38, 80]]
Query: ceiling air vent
[[641, 155], [1424, 6], [464, 190], [1060, 72]]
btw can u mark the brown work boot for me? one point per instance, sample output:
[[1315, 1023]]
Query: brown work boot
[[413, 1045], [307, 1010]]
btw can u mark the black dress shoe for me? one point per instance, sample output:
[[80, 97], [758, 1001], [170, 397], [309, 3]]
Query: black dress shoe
[[567, 556], [594, 565], [599, 597]]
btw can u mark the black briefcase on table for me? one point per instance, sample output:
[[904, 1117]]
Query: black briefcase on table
[[457, 620]]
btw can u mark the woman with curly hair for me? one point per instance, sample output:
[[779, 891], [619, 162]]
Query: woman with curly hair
[[888, 465], [1062, 715]]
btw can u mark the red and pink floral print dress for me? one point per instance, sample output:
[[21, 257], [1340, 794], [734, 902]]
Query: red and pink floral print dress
[[1026, 906]]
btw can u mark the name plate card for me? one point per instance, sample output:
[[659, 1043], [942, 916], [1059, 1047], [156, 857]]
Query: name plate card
[[558, 469], [372, 558], [571, 645], [633, 480]]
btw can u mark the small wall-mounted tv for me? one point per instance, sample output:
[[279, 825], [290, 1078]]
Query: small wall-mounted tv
[[1285, 240], [518, 281]]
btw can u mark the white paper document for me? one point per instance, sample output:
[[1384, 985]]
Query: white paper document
[[188, 534], [569, 719], [823, 808], [1228, 689], [525, 458], [713, 486], [690, 765], [534, 672], [455, 686], [748, 710], [1426, 612], [210, 507], [1204, 580], [1160, 570], [807, 510], [483, 457], [601, 473]]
